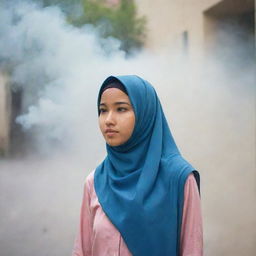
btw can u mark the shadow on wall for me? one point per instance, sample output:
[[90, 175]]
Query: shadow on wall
[[230, 33]]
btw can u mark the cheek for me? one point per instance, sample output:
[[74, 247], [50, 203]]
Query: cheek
[[100, 121], [130, 123]]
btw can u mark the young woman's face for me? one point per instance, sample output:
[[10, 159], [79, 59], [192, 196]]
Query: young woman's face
[[116, 119]]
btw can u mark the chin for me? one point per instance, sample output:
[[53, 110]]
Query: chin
[[113, 144]]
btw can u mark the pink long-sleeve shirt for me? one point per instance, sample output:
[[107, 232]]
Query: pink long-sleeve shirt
[[97, 236]]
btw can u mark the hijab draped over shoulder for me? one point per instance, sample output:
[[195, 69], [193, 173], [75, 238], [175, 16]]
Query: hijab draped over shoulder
[[140, 184]]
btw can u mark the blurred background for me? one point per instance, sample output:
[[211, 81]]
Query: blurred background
[[54, 55]]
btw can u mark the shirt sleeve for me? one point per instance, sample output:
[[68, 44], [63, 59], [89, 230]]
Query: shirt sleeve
[[191, 228], [82, 245]]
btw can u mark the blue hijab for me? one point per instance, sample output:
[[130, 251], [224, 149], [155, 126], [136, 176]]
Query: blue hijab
[[140, 184]]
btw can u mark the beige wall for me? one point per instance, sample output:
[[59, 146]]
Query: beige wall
[[4, 115], [168, 19]]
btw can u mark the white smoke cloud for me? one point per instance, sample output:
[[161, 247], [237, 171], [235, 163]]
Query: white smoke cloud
[[58, 66]]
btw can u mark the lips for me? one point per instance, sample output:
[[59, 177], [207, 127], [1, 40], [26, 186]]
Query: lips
[[110, 131]]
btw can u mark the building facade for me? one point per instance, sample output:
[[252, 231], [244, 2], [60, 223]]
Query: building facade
[[195, 24]]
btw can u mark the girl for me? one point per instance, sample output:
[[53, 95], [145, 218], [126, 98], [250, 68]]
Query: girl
[[143, 199]]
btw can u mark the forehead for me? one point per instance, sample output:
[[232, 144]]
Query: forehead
[[113, 94]]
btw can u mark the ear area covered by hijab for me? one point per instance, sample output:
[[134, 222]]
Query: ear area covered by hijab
[[140, 183]]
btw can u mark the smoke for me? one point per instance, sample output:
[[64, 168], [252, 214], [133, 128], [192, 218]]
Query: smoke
[[210, 106], [58, 68]]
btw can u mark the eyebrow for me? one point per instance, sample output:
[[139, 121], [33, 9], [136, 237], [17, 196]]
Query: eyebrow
[[116, 103]]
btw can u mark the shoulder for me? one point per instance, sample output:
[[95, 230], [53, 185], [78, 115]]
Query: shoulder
[[176, 167], [191, 181], [90, 177], [89, 181], [177, 171], [191, 189]]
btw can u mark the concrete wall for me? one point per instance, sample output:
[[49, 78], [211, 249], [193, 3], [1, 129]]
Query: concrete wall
[[168, 19]]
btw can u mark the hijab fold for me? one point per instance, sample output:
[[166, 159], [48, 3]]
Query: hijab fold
[[140, 184]]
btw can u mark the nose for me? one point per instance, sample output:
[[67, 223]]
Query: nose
[[110, 119]]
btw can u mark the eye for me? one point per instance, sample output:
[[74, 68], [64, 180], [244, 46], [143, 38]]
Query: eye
[[102, 110], [121, 109]]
